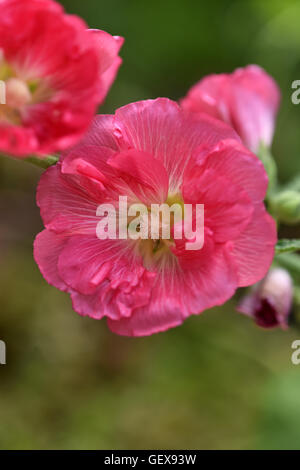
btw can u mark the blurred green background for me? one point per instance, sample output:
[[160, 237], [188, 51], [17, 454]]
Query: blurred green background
[[218, 381]]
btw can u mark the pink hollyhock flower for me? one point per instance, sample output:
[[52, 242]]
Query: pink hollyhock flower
[[56, 73], [247, 99], [270, 301], [154, 152]]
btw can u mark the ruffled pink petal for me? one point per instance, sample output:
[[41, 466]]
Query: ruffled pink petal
[[47, 248], [253, 251], [254, 103], [108, 49], [96, 306], [105, 272], [227, 208], [253, 78], [65, 207], [99, 134], [108, 77], [114, 303], [146, 176], [88, 167], [210, 284], [209, 96], [233, 161], [14, 139], [92, 171], [160, 128], [160, 315], [212, 278], [87, 261]]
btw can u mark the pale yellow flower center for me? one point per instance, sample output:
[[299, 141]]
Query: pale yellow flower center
[[17, 93], [157, 251]]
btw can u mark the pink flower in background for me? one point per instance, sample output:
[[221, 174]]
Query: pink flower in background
[[270, 301], [56, 73], [154, 152], [247, 99]]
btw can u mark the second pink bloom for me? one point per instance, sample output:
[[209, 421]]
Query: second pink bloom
[[247, 99], [55, 71]]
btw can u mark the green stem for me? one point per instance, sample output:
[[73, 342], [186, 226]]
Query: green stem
[[290, 261], [41, 162], [264, 154], [44, 162]]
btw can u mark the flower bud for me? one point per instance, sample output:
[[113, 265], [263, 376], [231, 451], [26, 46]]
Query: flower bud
[[286, 206], [269, 302]]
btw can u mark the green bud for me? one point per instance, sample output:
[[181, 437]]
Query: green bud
[[286, 206]]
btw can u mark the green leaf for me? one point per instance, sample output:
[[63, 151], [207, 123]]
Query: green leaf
[[287, 246]]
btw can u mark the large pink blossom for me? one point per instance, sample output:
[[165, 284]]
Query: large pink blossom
[[56, 73], [154, 152], [247, 99]]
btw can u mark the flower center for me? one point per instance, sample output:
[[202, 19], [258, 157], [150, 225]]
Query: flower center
[[155, 250], [17, 93]]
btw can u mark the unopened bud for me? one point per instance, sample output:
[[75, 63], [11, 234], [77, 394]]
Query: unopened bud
[[286, 206], [269, 302]]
